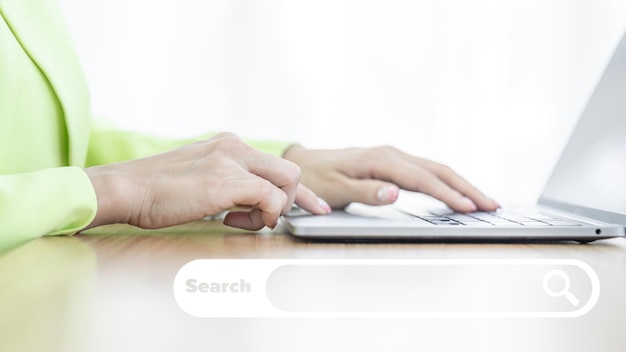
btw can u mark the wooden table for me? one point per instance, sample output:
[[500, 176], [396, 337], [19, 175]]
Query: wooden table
[[111, 290]]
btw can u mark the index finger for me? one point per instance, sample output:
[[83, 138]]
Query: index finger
[[280, 172], [455, 181]]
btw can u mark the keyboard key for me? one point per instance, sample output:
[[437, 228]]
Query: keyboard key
[[462, 217], [507, 223], [449, 223], [501, 222], [434, 218], [561, 223], [477, 224], [534, 223], [541, 217], [445, 222], [484, 216], [515, 217]]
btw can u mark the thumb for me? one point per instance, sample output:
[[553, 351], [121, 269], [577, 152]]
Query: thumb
[[372, 192], [309, 201]]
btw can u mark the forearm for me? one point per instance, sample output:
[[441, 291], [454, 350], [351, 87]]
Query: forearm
[[108, 145]]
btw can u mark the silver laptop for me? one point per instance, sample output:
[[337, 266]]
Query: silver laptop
[[584, 199]]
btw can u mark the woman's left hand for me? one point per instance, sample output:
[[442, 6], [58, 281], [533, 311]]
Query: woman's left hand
[[375, 175]]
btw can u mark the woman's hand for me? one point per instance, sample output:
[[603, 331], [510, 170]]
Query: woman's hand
[[199, 180], [375, 175]]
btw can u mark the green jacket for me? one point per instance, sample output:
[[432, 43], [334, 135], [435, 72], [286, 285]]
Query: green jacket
[[46, 135]]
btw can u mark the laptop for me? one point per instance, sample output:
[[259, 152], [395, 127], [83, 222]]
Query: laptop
[[584, 199]]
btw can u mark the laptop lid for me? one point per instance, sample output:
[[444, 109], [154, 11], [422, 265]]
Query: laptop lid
[[590, 176]]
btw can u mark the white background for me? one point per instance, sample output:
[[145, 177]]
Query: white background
[[490, 87]]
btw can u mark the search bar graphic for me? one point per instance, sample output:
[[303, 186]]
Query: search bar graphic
[[508, 288]]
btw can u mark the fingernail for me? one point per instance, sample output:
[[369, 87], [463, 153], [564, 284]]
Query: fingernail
[[324, 205], [275, 224], [388, 194], [494, 202], [470, 204]]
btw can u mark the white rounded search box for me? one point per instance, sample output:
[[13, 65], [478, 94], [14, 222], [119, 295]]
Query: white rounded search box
[[550, 288]]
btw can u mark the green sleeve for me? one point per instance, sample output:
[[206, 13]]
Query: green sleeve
[[109, 145], [56, 201]]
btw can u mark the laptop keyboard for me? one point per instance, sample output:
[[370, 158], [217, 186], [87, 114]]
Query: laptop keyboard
[[496, 218]]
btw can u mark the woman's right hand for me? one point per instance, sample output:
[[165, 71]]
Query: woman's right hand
[[199, 180]]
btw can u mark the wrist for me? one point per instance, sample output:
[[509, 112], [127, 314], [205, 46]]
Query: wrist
[[292, 151], [108, 186]]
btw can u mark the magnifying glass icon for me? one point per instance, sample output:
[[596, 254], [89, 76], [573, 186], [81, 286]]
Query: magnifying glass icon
[[564, 291]]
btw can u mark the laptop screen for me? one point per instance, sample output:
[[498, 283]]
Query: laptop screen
[[590, 177]]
